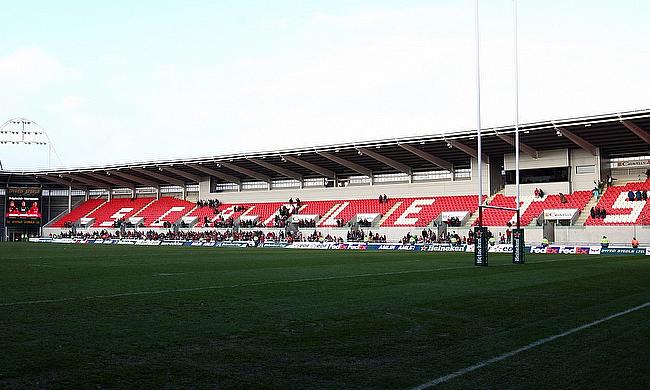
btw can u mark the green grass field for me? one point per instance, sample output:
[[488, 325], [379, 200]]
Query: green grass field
[[150, 317]]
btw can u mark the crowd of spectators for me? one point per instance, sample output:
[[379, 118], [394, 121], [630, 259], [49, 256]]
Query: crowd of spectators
[[453, 221], [306, 223], [429, 237], [597, 213], [383, 199], [361, 236], [364, 222], [219, 222], [539, 193], [211, 203], [637, 196]]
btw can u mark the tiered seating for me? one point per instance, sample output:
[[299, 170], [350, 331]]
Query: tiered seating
[[620, 210], [419, 212], [317, 207], [81, 211], [165, 209], [406, 212], [348, 209], [111, 211], [492, 217], [577, 200], [531, 207]]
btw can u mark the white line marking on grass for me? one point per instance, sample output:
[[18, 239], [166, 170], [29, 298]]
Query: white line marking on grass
[[170, 274], [532, 345], [255, 284]]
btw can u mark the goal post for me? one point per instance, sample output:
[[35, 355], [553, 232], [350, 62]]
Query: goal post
[[482, 237]]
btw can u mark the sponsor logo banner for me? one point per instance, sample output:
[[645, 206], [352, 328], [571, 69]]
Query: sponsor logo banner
[[564, 250], [147, 243], [562, 214], [274, 245], [623, 251], [40, 239], [444, 248]]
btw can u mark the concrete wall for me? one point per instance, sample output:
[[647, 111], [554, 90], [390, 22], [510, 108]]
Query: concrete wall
[[584, 182], [557, 158]]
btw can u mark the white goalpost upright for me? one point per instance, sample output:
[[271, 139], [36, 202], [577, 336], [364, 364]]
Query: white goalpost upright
[[480, 234]]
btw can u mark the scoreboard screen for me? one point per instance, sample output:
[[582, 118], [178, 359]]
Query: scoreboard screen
[[23, 206]]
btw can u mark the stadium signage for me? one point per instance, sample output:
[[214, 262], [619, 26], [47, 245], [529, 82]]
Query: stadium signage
[[22, 207], [560, 214], [623, 251], [444, 248], [566, 250], [632, 163], [481, 246]]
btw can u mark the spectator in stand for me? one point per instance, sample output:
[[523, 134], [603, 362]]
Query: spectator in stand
[[508, 235], [638, 195], [536, 192], [563, 198], [610, 180], [644, 195], [381, 200], [635, 243], [630, 195], [647, 173], [592, 212]]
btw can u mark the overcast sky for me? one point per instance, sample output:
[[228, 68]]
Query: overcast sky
[[117, 81]]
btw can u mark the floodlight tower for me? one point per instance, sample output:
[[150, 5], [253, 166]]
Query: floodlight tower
[[23, 131]]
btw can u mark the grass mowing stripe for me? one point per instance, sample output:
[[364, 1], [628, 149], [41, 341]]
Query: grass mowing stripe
[[532, 345], [254, 284]]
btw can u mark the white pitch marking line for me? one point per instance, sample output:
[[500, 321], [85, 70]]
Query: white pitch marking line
[[255, 284], [532, 345]]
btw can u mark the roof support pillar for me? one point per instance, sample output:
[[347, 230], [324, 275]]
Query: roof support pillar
[[576, 139], [385, 160], [639, 132], [428, 157], [346, 163], [468, 150], [524, 147], [312, 167]]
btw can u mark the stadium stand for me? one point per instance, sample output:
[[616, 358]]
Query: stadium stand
[[531, 207], [109, 212], [165, 209], [399, 212], [79, 212], [620, 209], [420, 212]]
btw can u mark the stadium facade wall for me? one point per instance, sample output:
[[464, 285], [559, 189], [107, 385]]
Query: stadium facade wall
[[573, 158], [392, 190]]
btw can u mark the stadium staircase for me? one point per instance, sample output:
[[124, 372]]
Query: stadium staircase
[[584, 213], [389, 212], [139, 212]]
